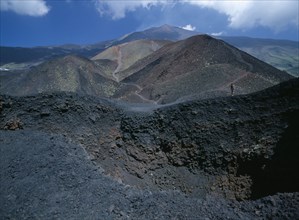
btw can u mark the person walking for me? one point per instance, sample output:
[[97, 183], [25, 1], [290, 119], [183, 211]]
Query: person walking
[[232, 89]]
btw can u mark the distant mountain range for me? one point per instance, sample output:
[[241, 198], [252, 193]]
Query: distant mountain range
[[150, 71], [282, 54]]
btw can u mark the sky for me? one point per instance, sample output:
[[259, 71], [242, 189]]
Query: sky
[[29, 23]]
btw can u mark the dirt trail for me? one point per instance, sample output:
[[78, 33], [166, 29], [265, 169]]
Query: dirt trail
[[141, 96], [154, 45], [119, 64]]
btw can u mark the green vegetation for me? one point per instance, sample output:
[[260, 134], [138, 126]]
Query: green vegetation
[[283, 58]]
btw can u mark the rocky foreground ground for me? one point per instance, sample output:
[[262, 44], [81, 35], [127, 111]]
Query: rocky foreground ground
[[78, 157]]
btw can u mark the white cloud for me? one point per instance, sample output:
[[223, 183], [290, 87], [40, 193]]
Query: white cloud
[[246, 14], [118, 9], [189, 27], [25, 7], [217, 34], [242, 14]]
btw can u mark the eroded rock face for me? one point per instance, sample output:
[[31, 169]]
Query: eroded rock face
[[238, 148], [239, 140]]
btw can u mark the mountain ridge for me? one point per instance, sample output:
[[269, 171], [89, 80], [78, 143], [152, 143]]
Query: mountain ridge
[[200, 66], [274, 52], [199, 60]]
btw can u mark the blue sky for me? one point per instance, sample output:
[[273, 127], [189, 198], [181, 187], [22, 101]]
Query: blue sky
[[47, 22]]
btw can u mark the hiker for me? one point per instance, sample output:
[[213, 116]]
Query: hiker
[[232, 89]]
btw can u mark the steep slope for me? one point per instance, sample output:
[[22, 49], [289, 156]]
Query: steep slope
[[128, 53], [199, 66], [70, 73], [282, 54]]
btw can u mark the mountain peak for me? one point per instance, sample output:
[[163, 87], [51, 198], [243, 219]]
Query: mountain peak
[[164, 32], [201, 37], [166, 27]]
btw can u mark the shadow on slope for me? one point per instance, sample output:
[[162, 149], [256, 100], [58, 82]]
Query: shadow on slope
[[280, 174]]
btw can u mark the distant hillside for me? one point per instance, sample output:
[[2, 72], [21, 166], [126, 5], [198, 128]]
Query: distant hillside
[[282, 54], [201, 67], [70, 73], [12, 57], [128, 53], [16, 55]]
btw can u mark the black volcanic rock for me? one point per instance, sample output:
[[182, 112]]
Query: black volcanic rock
[[188, 160]]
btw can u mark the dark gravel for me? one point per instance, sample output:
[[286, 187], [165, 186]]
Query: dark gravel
[[65, 156], [47, 177]]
